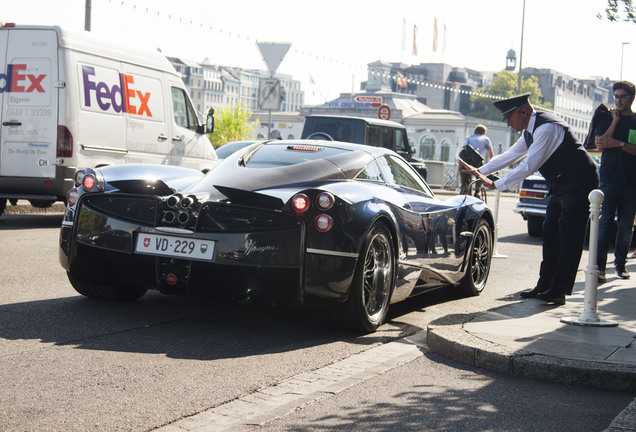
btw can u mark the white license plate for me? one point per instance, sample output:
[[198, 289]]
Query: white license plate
[[176, 247]]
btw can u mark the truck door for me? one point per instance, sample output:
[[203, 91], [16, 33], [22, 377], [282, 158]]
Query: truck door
[[189, 148], [28, 74]]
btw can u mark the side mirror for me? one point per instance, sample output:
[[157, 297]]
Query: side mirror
[[209, 121]]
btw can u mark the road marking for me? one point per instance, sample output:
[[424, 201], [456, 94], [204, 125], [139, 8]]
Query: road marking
[[279, 400]]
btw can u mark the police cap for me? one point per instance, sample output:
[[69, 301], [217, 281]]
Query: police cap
[[507, 106]]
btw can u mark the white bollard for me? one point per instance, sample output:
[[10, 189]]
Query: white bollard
[[495, 248], [589, 316]]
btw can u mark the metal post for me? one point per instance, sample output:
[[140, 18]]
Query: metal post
[[87, 15], [589, 316], [495, 247], [622, 52]]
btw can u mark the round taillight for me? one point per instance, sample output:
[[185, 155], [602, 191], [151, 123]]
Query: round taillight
[[88, 182], [323, 222], [79, 177], [300, 203], [71, 197], [325, 201]]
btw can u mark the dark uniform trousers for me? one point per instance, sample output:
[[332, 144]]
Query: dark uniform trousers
[[571, 174]]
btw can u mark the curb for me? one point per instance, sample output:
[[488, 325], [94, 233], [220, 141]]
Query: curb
[[447, 337]]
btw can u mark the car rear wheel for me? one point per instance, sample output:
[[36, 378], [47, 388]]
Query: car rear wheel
[[535, 226], [370, 291], [118, 293], [479, 259]]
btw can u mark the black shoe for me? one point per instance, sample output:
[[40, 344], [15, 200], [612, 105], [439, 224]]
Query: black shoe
[[621, 272], [531, 293], [552, 298], [601, 276]]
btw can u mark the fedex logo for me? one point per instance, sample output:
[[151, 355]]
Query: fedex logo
[[16, 80], [121, 96]]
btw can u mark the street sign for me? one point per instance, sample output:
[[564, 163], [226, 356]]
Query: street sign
[[269, 94], [384, 112], [373, 100], [273, 54]]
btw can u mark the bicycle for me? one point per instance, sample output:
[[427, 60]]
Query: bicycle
[[479, 190]]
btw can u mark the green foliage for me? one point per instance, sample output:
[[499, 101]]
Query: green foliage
[[231, 124], [505, 85], [619, 10]]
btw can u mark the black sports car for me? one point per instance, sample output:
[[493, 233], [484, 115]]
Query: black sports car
[[343, 228]]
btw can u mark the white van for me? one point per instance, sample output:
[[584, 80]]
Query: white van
[[71, 99]]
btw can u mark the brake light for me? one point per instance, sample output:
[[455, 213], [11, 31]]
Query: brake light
[[530, 194], [79, 177], [324, 201], [71, 197], [303, 148], [89, 182], [64, 142], [323, 222], [8, 25], [300, 203]]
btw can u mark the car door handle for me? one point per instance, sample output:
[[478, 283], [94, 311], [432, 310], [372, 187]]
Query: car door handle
[[162, 137], [12, 123], [177, 138]]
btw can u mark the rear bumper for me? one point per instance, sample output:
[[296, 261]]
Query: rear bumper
[[38, 188], [529, 210]]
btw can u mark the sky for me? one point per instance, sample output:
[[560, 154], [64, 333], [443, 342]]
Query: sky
[[332, 41]]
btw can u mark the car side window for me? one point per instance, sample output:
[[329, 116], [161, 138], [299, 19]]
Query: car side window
[[371, 172], [374, 136], [399, 173], [184, 114]]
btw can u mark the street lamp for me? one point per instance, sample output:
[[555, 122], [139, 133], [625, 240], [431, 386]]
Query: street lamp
[[622, 51]]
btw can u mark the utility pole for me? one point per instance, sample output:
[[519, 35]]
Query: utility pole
[[87, 16], [523, 22]]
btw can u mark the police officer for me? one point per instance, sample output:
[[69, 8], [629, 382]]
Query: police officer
[[549, 146]]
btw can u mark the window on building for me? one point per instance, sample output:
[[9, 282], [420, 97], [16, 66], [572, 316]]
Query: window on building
[[427, 147]]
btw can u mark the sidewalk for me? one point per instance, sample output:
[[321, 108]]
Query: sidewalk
[[527, 338]]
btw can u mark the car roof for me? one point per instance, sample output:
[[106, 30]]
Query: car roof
[[370, 120]]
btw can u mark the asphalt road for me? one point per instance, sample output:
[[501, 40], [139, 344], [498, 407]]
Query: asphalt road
[[71, 364]]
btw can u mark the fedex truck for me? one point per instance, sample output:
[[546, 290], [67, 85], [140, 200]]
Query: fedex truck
[[71, 99]]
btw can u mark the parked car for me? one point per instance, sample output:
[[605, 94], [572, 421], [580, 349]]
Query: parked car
[[364, 130], [343, 228], [532, 204]]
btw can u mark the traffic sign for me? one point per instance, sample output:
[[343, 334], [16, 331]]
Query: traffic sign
[[384, 112], [273, 54]]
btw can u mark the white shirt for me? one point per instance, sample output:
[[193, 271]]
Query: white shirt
[[545, 140]]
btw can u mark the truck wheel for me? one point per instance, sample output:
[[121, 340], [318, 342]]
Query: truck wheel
[[42, 203], [118, 293], [3, 205], [535, 226]]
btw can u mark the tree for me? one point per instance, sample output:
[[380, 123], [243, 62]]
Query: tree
[[231, 124], [505, 85], [619, 10]]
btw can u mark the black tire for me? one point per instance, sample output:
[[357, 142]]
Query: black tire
[[117, 293], [479, 259], [369, 294], [535, 226], [3, 205], [42, 203]]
